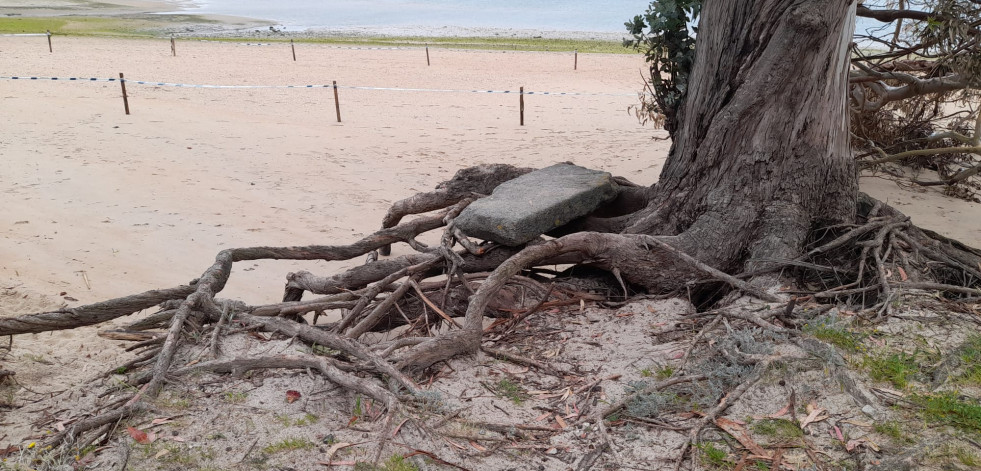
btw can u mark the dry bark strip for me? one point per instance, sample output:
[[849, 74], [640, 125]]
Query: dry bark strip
[[90, 314], [325, 366]]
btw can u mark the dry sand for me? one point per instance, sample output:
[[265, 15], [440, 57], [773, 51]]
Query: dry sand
[[98, 204]]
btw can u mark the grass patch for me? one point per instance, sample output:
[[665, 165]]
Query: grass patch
[[893, 430], [967, 458], [395, 463], [949, 409], [147, 26], [323, 351], [307, 419], [172, 401], [288, 444], [659, 372], [896, 368], [779, 429], [489, 43], [714, 457], [511, 390], [835, 335], [235, 397], [970, 355], [75, 25]]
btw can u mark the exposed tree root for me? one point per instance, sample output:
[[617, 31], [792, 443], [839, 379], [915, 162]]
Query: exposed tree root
[[434, 302]]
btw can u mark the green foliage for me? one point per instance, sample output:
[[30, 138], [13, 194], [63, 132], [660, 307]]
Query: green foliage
[[947, 408], [951, 33], [896, 368], [357, 411], [714, 457], [307, 419], [827, 331], [970, 356], [657, 371], [235, 397], [652, 404], [287, 444], [663, 35], [323, 351], [780, 429], [18, 25], [967, 458], [76, 25], [893, 430], [511, 390], [450, 42]]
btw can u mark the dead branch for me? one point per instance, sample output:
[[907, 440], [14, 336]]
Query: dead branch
[[514, 358], [90, 314], [237, 366], [711, 415], [72, 432], [471, 182], [333, 341]]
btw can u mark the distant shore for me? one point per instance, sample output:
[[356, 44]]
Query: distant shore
[[155, 18]]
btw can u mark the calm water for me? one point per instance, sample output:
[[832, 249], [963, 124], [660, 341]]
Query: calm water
[[549, 15], [429, 17]]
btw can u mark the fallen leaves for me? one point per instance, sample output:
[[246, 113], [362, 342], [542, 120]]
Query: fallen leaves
[[140, 436], [814, 414], [739, 433]]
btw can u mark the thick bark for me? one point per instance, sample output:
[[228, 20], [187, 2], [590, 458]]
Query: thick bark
[[70, 318], [762, 154]]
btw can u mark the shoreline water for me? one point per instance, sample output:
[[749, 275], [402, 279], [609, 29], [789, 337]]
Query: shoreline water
[[440, 18], [182, 19]]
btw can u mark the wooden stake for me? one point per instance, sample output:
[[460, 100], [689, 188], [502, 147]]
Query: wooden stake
[[575, 62], [173, 47], [49, 41], [427, 54], [337, 104], [294, 50], [122, 83], [521, 104]]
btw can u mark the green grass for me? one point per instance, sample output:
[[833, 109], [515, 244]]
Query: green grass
[[779, 429], [893, 430], [967, 458], [488, 43], [307, 419], [896, 368], [970, 356], [94, 25], [235, 397], [288, 444], [511, 390], [949, 409], [714, 457], [151, 26], [657, 371], [837, 336]]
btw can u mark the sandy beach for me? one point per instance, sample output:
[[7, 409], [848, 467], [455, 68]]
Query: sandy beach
[[99, 204]]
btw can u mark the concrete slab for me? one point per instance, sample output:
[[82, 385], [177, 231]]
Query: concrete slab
[[522, 209]]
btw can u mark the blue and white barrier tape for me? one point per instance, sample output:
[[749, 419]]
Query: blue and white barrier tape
[[240, 87], [24, 34], [65, 79]]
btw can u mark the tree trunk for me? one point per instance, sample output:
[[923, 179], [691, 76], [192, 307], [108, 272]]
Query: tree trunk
[[762, 153]]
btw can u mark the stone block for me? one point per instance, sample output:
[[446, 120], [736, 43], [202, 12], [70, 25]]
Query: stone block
[[522, 209]]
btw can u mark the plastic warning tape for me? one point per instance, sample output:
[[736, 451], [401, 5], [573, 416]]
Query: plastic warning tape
[[348, 87]]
